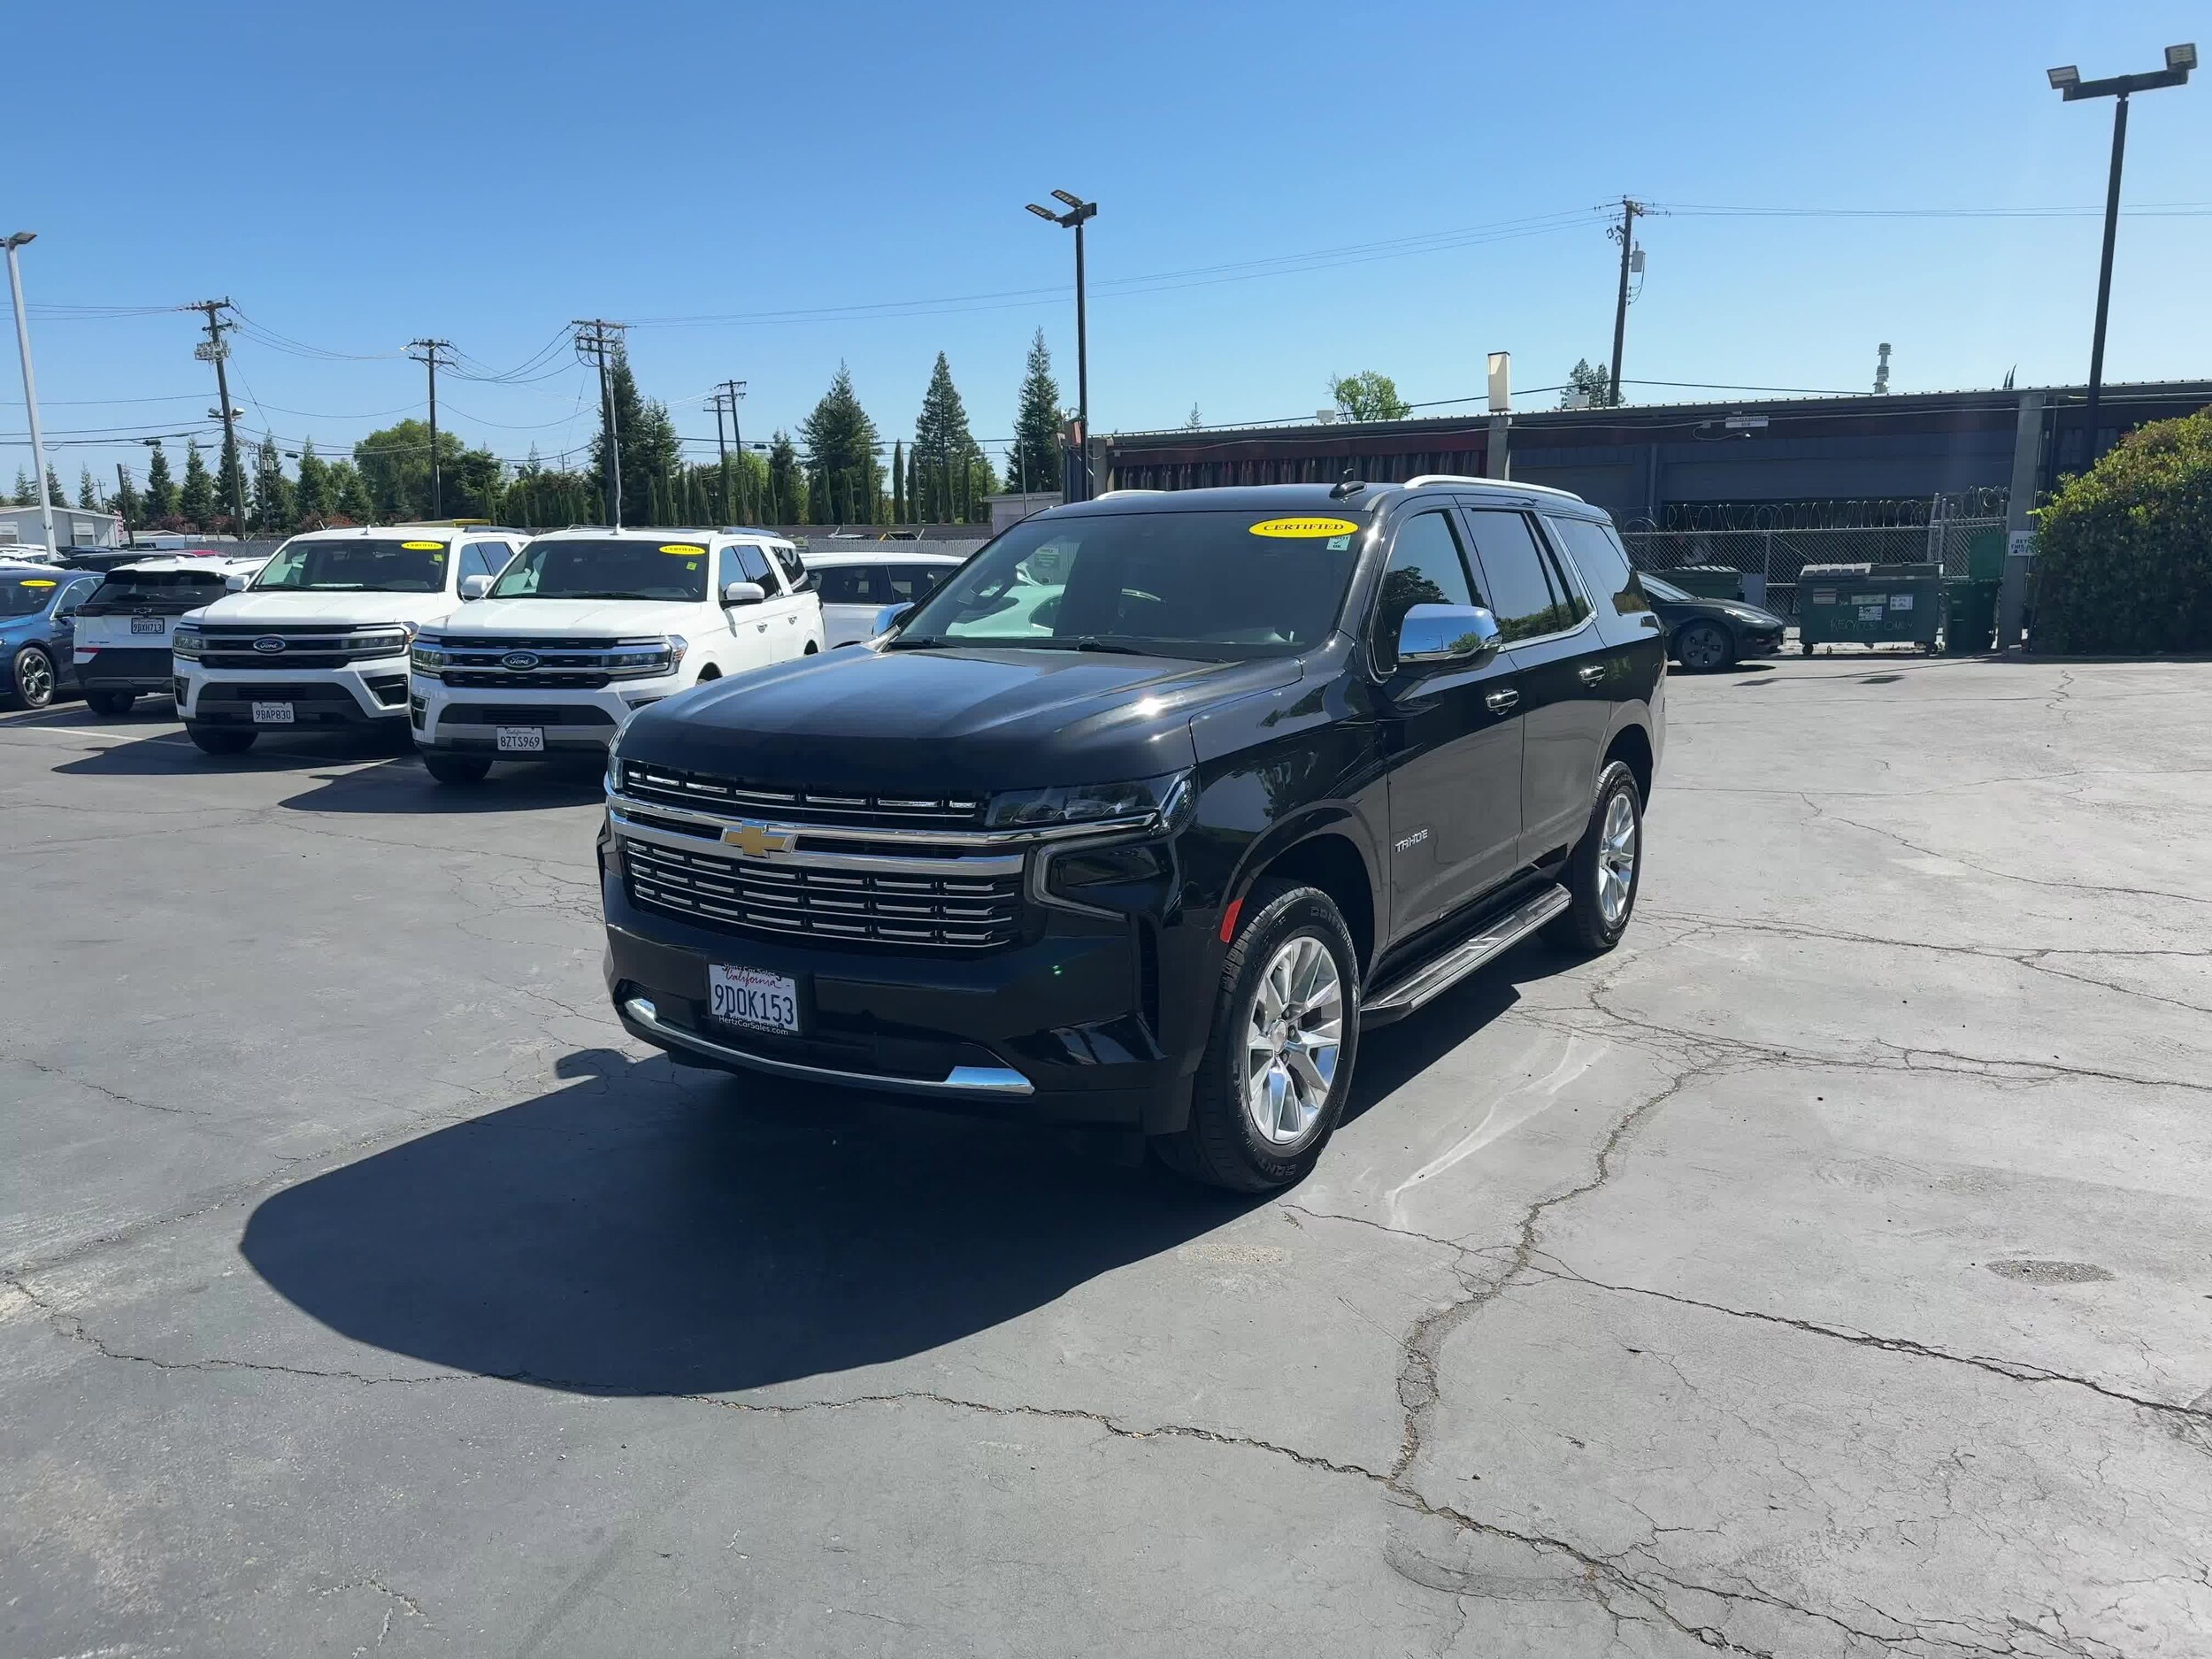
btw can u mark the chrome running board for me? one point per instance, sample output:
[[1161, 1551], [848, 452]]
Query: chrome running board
[[1440, 973]]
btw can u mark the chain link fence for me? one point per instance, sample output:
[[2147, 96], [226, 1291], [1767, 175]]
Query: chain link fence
[[1770, 559]]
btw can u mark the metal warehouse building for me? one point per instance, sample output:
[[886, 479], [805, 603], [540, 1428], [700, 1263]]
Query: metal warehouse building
[[1791, 461]]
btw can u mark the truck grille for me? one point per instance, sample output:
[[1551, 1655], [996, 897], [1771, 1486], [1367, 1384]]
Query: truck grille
[[846, 906], [299, 648], [844, 808]]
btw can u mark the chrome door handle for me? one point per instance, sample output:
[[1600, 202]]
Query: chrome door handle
[[1499, 702], [1591, 675]]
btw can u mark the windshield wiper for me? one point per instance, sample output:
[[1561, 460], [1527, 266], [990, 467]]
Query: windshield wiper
[[588, 593], [1080, 645]]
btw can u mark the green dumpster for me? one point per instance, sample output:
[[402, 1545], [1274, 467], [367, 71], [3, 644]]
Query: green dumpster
[[1868, 604], [1706, 581], [1970, 615]]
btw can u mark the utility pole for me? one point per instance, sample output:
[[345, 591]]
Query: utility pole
[[30, 384], [734, 391], [123, 491], [213, 350], [1625, 233], [430, 348], [596, 341], [2067, 83], [722, 444]]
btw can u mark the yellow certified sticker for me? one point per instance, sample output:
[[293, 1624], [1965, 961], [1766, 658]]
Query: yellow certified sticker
[[682, 549], [424, 546], [35, 582], [1302, 529]]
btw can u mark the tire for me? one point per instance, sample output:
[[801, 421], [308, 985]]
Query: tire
[[1287, 929], [1705, 647], [1804, 648], [31, 678], [114, 704], [220, 739], [1602, 891], [454, 768]]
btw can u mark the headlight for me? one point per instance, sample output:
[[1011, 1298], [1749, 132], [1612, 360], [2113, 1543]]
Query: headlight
[[382, 641], [633, 659], [1145, 801], [428, 654], [187, 642]]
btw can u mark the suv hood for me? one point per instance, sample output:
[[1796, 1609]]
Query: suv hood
[[341, 609], [615, 618], [940, 721]]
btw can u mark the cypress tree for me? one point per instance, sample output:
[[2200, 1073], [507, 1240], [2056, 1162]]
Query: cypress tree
[[310, 496], [161, 489], [196, 499], [88, 492], [1037, 418], [840, 443]]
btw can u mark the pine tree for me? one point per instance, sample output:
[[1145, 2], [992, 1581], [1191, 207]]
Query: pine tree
[[945, 451], [1196, 423], [196, 500], [1595, 385], [350, 494], [787, 486], [272, 499], [54, 492], [88, 492], [841, 456], [1035, 463], [898, 483], [230, 484], [161, 489], [26, 491], [310, 496], [645, 441]]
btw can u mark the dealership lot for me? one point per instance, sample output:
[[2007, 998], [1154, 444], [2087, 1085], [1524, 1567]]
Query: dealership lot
[[1827, 1271]]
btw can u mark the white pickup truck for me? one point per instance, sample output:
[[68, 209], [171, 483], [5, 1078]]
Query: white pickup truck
[[587, 625], [320, 638]]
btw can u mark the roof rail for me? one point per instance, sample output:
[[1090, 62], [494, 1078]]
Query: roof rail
[[1109, 494], [1493, 483]]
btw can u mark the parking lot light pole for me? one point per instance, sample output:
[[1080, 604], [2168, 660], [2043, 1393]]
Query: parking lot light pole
[[2067, 83], [1078, 212], [30, 383]]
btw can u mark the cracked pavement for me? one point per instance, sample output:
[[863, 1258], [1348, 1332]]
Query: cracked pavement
[[1827, 1271]]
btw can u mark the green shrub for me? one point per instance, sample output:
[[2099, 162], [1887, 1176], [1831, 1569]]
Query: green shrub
[[2124, 560]]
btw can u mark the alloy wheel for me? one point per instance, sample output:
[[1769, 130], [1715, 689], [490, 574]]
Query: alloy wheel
[[1703, 647], [1617, 858], [35, 679], [1293, 1035]]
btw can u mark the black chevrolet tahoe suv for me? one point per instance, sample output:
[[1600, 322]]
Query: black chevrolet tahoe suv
[[1150, 810]]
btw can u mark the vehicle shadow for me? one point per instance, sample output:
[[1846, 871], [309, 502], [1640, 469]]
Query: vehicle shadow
[[165, 751], [655, 1231], [402, 788]]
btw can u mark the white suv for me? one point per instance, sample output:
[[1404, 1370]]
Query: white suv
[[320, 638], [587, 625]]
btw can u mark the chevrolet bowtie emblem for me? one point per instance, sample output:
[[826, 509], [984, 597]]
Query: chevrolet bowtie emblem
[[758, 841]]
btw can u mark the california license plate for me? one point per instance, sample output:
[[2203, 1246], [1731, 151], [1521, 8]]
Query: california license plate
[[746, 997], [150, 625], [272, 714], [520, 739]]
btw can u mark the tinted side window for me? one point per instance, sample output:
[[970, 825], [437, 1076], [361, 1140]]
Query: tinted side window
[[754, 563], [1604, 565], [1426, 568], [848, 585], [794, 572], [1520, 592], [906, 583], [1572, 605]]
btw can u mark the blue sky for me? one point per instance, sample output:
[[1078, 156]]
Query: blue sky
[[356, 176]]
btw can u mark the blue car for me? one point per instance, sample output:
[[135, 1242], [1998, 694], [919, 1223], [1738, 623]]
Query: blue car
[[38, 621]]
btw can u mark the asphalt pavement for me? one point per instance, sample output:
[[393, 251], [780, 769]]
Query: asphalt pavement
[[1826, 1271]]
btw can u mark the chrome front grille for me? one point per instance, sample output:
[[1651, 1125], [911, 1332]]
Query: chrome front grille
[[294, 647], [850, 809], [835, 904]]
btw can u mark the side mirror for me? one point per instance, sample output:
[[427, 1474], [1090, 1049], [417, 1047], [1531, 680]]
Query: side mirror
[[1440, 636], [888, 617], [236, 583], [67, 613], [475, 587], [744, 593]]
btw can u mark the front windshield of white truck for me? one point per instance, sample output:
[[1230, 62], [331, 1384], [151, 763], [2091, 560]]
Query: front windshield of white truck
[[609, 569], [357, 565]]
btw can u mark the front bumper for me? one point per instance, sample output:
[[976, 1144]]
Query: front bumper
[[1060, 1027], [1758, 642], [466, 719], [362, 693]]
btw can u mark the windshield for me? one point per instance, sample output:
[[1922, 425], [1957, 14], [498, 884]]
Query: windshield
[[1212, 585], [357, 564], [1658, 589], [21, 596], [612, 569]]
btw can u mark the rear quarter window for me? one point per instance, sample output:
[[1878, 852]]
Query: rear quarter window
[[1606, 572], [848, 585]]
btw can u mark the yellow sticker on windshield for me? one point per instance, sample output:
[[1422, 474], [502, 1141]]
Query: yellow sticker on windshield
[[424, 546], [683, 549], [1302, 529], [34, 583]]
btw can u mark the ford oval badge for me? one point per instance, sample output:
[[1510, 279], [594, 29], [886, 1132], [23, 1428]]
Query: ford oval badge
[[269, 643], [521, 662]]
